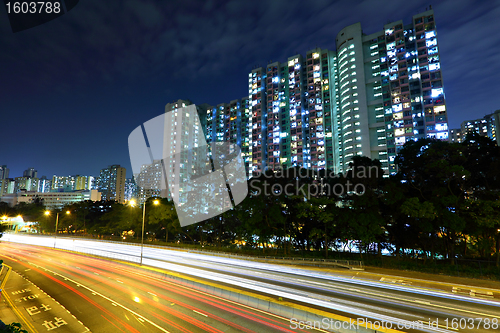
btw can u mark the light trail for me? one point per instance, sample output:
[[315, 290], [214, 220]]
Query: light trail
[[176, 261]]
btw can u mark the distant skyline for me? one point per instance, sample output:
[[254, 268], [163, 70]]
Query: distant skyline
[[73, 89]]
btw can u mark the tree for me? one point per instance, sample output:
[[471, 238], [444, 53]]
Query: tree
[[11, 328], [433, 171], [164, 217]]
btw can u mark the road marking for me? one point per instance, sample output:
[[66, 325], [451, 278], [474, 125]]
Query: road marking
[[110, 300], [398, 281], [422, 302], [151, 293], [472, 292], [204, 315]]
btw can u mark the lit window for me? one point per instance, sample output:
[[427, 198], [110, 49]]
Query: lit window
[[433, 67], [430, 34], [441, 127], [397, 107], [436, 92], [440, 108], [431, 42]]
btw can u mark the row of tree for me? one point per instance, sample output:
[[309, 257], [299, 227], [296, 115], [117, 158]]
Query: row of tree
[[442, 203]]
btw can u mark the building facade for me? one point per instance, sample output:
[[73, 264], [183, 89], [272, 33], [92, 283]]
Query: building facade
[[391, 89], [4, 172], [368, 97], [51, 200], [487, 126], [30, 172], [456, 135], [111, 183]]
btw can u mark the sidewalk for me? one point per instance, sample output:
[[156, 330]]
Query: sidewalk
[[7, 314], [26, 303]]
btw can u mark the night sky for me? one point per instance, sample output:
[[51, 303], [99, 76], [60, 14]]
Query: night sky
[[73, 89]]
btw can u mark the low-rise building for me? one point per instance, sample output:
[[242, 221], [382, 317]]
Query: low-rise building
[[51, 200]]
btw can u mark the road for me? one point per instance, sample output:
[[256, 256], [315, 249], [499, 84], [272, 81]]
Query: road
[[107, 296], [336, 294]]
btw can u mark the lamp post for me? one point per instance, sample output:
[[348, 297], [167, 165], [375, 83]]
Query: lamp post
[[4, 218], [132, 203], [47, 212]]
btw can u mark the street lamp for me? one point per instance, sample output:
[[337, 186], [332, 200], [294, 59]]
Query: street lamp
[[4, 218], [47, 212], [132, 203]]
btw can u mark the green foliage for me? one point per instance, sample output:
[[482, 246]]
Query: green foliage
[[442, 203], [165, 218], [12, 328]]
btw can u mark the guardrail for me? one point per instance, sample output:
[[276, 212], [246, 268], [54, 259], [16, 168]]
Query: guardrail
[[349, 264]]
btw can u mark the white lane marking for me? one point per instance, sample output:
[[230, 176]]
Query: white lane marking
[[204, 315], [151, 293], [109, 299], [422, 302]]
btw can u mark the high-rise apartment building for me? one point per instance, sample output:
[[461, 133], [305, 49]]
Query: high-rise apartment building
[[111, 183], [396, 88], [44, 184], [30, 172], [184, 136], [368, 97], [131, 189], [229, 122], [456, 135], [63, 183], [293, 108], [4, 172], [150, 178], [7, 186], [72, 183], [486, 126], [84, 182], [26, 184]]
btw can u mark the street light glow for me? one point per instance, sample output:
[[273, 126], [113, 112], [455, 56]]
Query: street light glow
[[47, 212]]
